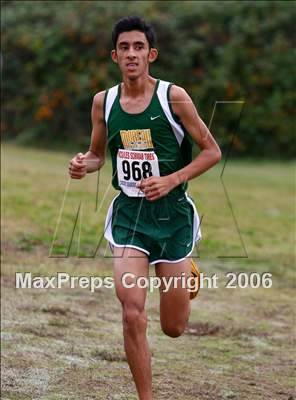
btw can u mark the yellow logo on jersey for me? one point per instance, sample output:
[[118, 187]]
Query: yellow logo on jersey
[[136, 139]]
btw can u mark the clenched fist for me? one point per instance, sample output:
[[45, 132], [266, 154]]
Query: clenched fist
[[77, 167]]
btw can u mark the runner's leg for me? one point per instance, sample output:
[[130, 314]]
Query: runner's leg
[[134, 317], [174, 304]]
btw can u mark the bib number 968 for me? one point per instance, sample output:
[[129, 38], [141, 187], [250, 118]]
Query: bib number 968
[[132, 167], [136, 171]]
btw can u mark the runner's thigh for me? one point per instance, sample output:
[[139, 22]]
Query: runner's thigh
[[175, 302], [132, 261]]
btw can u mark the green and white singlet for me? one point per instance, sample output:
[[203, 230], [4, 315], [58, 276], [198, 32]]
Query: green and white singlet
[[150, 143]]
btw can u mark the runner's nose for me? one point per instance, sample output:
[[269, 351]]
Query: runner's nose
[[131, 53]]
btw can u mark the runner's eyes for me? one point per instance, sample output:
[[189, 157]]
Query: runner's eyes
[[137, 47]]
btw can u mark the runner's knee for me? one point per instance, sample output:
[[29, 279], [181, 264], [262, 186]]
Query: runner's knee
[[134, 318], [173, 331]]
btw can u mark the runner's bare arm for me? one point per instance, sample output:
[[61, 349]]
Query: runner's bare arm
[[93, 159], [210, 153], [157, 187], [98, 136]]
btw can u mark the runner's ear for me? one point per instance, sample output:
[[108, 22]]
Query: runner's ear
[[153, 54], [114, 56]]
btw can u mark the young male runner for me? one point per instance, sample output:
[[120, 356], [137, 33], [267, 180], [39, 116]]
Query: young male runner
[[148, 125]]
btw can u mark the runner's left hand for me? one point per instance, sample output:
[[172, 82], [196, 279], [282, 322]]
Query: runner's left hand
[[156, 187]]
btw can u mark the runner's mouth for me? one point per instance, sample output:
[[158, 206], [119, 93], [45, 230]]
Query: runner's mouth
[[132, 65]]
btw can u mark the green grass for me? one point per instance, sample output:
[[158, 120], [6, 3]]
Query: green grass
[[257, 220], [67, 343]]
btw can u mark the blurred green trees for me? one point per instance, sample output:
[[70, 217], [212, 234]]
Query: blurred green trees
[[55, 57]]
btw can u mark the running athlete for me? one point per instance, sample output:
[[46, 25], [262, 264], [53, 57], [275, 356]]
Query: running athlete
[[149, 126]]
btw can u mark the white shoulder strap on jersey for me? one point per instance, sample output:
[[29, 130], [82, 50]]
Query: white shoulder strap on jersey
[[162, 93], [110, 97]]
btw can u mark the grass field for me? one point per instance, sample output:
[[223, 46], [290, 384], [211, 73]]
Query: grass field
[[67, 343]]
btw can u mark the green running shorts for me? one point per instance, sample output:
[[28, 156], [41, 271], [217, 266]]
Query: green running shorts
[[166, 229]]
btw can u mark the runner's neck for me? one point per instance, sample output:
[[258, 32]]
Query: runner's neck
[[139, 87]]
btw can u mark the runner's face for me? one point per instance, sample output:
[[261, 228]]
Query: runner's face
[[132, 54]]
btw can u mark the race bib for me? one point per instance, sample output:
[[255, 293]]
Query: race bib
[[132, 167]]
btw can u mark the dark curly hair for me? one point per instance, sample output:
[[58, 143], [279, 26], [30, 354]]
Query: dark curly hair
[[133, 23]]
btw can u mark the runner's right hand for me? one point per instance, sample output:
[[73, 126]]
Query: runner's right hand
[[77, 167]]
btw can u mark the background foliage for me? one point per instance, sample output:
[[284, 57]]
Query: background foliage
[[56, 57]]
